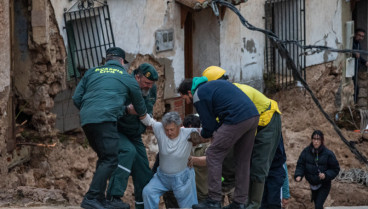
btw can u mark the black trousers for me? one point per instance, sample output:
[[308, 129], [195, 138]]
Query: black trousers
[[319, 196], [103, 138]]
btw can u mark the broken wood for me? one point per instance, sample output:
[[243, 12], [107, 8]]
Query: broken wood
[[37, 145]]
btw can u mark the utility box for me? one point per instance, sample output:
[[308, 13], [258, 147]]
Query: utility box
[[164, 40], [350, 67]]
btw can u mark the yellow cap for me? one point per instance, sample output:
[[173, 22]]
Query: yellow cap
[[213, 73]]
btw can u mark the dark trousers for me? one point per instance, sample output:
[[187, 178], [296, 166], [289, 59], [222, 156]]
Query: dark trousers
[[132, 161], [272, 191], [103, 138], [319, 196], [241, 136]]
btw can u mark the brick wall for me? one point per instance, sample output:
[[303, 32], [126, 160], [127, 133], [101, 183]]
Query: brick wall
[[175, 104]]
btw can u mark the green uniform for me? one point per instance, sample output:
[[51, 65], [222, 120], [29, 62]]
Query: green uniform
[[100, 96], [132, 155], [265, 144], [102, 92]]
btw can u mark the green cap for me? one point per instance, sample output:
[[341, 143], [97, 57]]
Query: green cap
[[116, 51], [148, 71]]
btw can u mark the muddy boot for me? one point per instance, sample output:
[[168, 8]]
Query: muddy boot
[[91, 204], [235, 205], [255, 195], [116, 203], [208, 204]]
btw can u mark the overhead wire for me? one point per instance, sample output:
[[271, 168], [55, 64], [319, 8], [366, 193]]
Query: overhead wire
[[280, 45]]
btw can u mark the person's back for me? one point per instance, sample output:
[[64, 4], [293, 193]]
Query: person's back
[[223, 100], [103, 93], [100, 96]]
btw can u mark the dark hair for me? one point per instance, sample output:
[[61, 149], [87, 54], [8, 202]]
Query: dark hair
[[112, 57], [359, 30], [185, 86], [138, 72], [191, 121], [319, 133], [224, 77]]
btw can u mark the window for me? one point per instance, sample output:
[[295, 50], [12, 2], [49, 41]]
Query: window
[[286, 18], [89, 35]]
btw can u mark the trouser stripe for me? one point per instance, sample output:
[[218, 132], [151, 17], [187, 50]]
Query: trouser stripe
[[124, 168]]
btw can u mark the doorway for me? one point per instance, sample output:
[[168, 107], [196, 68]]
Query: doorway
[[201, 44]]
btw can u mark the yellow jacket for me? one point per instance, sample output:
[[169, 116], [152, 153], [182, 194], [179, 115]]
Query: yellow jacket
[[266, 107]]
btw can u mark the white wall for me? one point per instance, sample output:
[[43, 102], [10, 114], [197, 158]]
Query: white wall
[[323, 27], [242, 50], [134, 24]]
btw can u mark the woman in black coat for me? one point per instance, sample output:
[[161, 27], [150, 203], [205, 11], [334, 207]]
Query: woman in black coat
[[319, 166]]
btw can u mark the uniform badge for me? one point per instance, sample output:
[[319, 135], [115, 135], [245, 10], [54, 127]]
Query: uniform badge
[[148, 74]]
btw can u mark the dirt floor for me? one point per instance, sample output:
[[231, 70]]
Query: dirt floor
[[61, 175]]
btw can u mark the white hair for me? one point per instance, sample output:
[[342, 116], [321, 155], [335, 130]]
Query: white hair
[[171, 117]]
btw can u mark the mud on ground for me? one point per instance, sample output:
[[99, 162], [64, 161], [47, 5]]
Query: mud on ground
[[61, 175]]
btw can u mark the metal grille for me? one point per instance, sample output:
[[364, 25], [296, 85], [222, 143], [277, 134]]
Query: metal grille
[[89, 34], [286, 18]]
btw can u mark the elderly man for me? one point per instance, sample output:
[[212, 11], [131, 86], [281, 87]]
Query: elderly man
[[173, 172], [132, 155], [100, 96], [238, 120]]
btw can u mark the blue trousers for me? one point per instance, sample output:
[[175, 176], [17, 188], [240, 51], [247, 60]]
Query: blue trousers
[[182, 184]]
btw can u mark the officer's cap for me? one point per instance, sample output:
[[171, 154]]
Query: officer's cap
[[118, 52], [148, 71]]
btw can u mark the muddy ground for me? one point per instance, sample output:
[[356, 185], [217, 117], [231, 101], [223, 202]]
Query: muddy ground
[[61, 175]]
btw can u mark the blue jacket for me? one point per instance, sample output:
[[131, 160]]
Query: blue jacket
[[223, 100]]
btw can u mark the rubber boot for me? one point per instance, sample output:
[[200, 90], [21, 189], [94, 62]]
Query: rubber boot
[[255, 195]]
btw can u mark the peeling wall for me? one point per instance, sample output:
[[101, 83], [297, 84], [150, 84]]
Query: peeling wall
[[328, 31], [134, 25], [135, 33], [242, 50]]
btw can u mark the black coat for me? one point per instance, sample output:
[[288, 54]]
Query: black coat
[[309, 165]]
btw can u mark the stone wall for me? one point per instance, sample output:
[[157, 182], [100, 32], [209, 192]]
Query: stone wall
[[362, 102], [40, 75]]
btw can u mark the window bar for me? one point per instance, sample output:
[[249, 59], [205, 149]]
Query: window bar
[[94, 39], [79, 37], [112, 36], [107, 31], [304, 38], [103, 33], [297, 33], [98, 32], [70, 47], [89, 40], [80, 43]]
